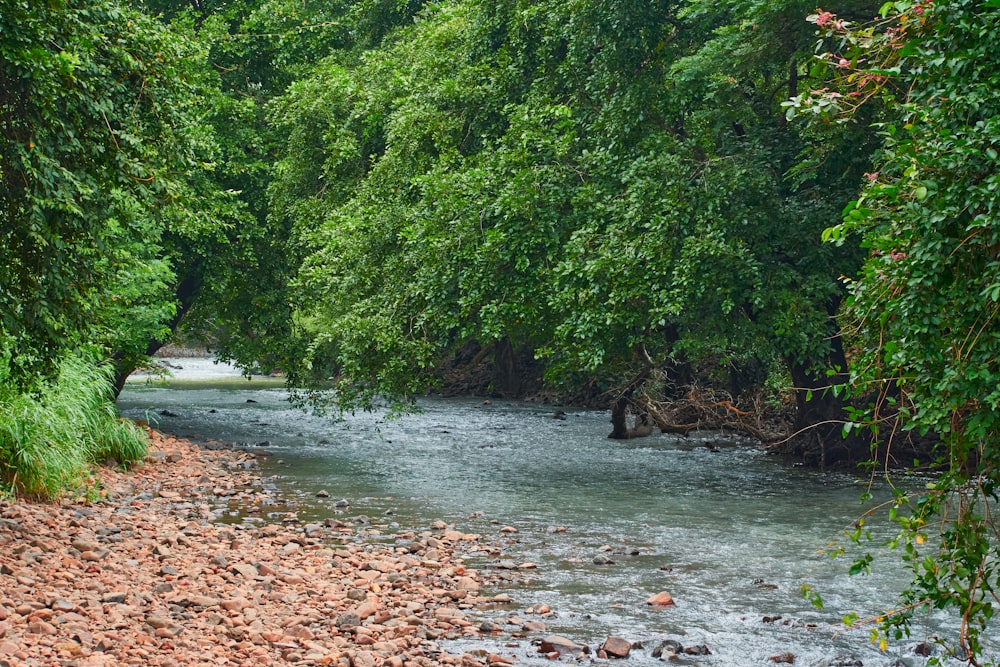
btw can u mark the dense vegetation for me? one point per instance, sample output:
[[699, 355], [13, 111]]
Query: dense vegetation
[[639, 203]]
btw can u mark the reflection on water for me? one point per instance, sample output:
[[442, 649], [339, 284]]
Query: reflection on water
[[730, 532]]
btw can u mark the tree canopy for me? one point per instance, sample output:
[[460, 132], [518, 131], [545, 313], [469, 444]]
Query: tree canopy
[[579, 181]]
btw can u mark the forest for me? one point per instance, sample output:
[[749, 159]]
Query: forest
[[760, 216]]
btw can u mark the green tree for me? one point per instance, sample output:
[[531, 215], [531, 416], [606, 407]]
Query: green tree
[[102, 155], [586, 182], [926, 300], [232, 287]]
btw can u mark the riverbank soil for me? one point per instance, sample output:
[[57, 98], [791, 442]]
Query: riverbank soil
[[145, 575]]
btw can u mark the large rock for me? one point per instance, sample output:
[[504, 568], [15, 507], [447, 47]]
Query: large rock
[[616, 647], [668, 649], [562, 646], [662, 599]]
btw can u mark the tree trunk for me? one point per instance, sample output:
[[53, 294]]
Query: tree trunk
[[619, 417], [620, 408], [506, 377]]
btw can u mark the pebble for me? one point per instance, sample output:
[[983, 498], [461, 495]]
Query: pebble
[[143, 578]]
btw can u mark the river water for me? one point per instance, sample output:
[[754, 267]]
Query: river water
[[731, 533]]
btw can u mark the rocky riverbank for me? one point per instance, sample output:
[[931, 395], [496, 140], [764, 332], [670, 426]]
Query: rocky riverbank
[[143, 573]]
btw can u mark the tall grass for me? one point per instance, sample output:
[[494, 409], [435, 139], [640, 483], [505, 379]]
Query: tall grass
[[50, 438]]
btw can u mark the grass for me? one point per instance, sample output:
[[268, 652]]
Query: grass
[[49, 439]]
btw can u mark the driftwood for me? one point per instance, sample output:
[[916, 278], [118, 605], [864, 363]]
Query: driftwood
[[703, 410]]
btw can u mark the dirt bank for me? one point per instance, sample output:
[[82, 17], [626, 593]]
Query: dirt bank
[[145, 575]]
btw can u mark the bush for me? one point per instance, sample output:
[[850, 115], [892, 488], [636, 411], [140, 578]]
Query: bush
[[49, 438]]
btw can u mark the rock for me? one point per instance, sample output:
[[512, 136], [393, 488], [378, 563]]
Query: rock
[[63, 605], [85, 545], [699, 649], [42, 628], [366, 609], [668, 648], [616, 647], [347, 621], [603, 560], [156, 621], [562, 646], [245, 569], [323, 493], [234, 604], [787, 658], [468, 584], [662, 599], [202, 601]]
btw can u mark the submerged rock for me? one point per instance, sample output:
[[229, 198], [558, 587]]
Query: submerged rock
[[562, 646]]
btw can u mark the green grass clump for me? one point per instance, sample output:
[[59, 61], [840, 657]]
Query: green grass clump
[[51, 437]]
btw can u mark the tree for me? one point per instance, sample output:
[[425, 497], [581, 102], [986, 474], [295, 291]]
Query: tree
[[102, 155], [926, 300], [232, 287], [602, 184]]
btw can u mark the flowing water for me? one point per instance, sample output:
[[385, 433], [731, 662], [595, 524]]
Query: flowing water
[[731, 533]]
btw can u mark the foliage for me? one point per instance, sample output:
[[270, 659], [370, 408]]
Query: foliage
[[927, 299], [233, 287], [580, 181], [48, 439], [103, 156]]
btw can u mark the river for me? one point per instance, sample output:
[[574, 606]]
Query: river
[[732, 533]]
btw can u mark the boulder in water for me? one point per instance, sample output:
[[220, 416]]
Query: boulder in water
[[562, 646], [661, 599], [616, 647], [668, 649]]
